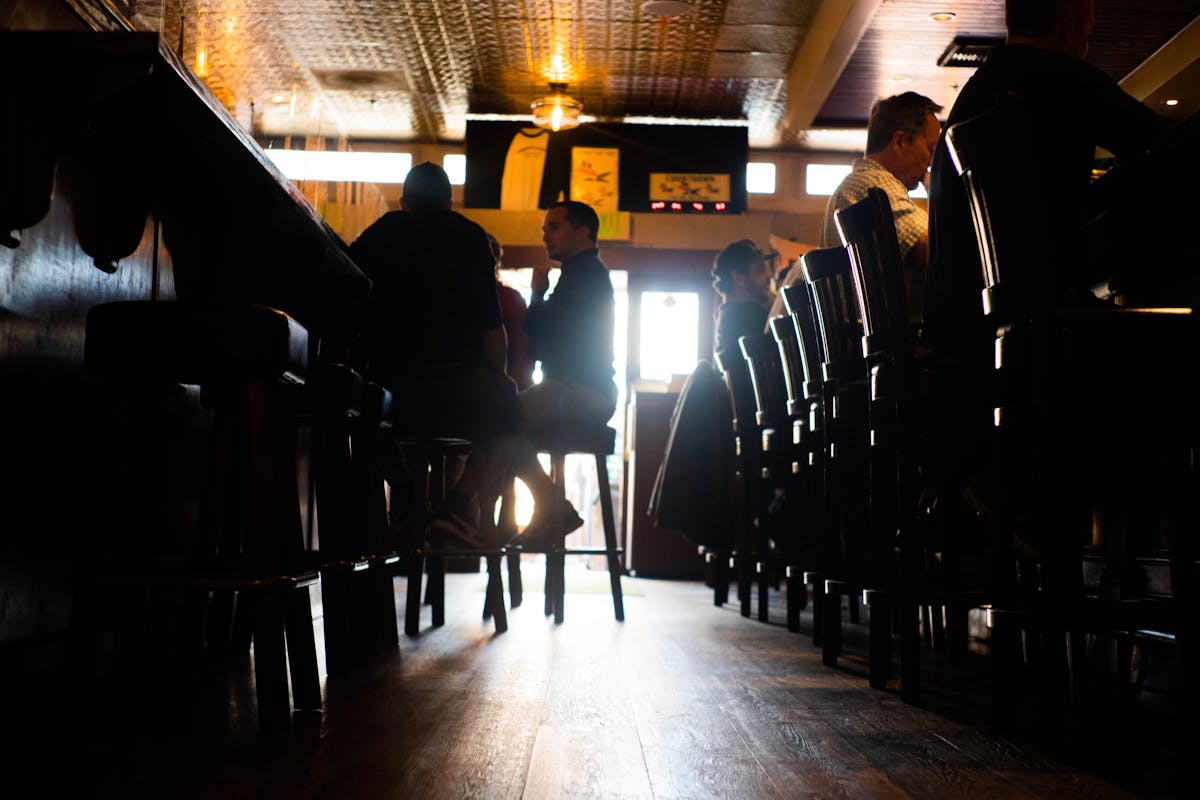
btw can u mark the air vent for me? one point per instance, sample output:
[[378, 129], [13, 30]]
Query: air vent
[[969, 51], [361, 80]]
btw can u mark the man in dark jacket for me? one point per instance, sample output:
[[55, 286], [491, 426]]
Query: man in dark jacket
[[571, 334]]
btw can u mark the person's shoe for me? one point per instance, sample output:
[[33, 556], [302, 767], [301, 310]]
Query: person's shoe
[[548, 529], [457, 528]]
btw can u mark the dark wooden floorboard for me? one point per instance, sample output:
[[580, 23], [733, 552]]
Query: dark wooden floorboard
[[682, 700]]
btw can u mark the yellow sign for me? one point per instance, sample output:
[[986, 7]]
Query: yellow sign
[[689, 186], [614, 225], [594, 177]]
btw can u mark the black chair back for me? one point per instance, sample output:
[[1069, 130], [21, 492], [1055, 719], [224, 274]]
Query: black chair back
[[868, 229]]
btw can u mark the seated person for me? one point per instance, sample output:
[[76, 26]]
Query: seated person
[[742, 278], [434, 333], [512, 314], [571, 334], [901, 135]]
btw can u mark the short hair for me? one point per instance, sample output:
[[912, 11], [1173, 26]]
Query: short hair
[[906, 112], [580, 215], [735, 257], [1037, 17], [426, 186]]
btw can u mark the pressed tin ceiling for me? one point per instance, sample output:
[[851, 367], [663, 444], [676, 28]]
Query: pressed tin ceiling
[[417, 70]]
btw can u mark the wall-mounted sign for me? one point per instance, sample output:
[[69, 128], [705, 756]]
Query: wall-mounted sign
[[594, 173], [689, 187], [614, 225]]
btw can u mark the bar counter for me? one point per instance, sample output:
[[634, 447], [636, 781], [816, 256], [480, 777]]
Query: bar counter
[[122, 177]]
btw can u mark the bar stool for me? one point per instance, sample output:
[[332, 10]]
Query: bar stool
[[353, 556], [249, 547], [598, 441], [431, 455]]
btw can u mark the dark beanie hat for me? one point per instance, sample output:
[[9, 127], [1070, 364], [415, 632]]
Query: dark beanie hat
[[426, 185]]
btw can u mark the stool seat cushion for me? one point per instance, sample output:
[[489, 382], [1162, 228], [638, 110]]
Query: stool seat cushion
[[575, 438], [194, 343]]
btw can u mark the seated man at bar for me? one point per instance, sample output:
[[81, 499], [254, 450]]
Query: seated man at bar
[[1075, 108], [571, 334], [901, 135], [434, 333], [742, 278]]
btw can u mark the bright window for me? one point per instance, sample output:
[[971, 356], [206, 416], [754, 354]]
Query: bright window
[[334, 165], [821, 179], [670, 334], [760, 178], [455, 165]]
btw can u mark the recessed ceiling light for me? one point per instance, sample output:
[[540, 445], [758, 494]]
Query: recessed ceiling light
[[942, 16], [898, 78], [666, 8], [1171, 102]]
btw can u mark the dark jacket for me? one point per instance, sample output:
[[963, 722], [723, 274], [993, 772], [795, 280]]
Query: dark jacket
[[571, 333], [693, 491]]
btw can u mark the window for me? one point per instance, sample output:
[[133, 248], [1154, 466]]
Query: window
[[760, 178], [670, 334], [821, 179], [456, 167], [334, 165]]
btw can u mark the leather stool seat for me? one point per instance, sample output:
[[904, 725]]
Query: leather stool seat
[[248, 552]]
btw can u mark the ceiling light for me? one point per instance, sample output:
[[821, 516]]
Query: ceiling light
[[968, 51], [557, 111], [666, 8], [1171, 102], [942, 16]]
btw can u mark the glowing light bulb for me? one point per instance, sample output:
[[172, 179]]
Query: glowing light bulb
[[556, 116]]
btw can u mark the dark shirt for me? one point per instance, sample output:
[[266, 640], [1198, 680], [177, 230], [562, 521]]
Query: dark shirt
[[434, 290], [571, 333], [736, 319], [1072, 107]]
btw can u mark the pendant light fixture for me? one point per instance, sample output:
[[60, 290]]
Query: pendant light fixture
[[557, 111]]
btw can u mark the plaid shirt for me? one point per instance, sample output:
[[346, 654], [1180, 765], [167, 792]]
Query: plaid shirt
[[912, 221]]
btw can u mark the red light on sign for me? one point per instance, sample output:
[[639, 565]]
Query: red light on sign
[[719, 206], [698, 206], [657, 205], [677, 206]]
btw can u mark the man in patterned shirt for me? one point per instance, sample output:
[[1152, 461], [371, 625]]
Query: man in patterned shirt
[[901, 136]]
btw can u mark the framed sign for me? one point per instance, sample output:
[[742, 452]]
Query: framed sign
[[594, 174], [689, 187]]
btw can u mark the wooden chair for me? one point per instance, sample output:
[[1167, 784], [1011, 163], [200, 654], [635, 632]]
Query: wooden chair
[[847, 561], [248, 546], [808, 433], [797, 474], [925, 572], [598, 441], [1092, 416], [772, 481], [748, 457]]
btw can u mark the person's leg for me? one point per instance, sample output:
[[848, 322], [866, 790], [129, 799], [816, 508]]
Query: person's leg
[[545, 405]]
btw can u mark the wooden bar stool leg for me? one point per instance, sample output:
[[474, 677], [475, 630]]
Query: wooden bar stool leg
[[508, 527], [302, 649], [494, 607], [558, 472], [415, 549], [615, 569], [270, 660]]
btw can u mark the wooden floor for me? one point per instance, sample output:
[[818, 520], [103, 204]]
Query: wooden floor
[[682, 700]]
